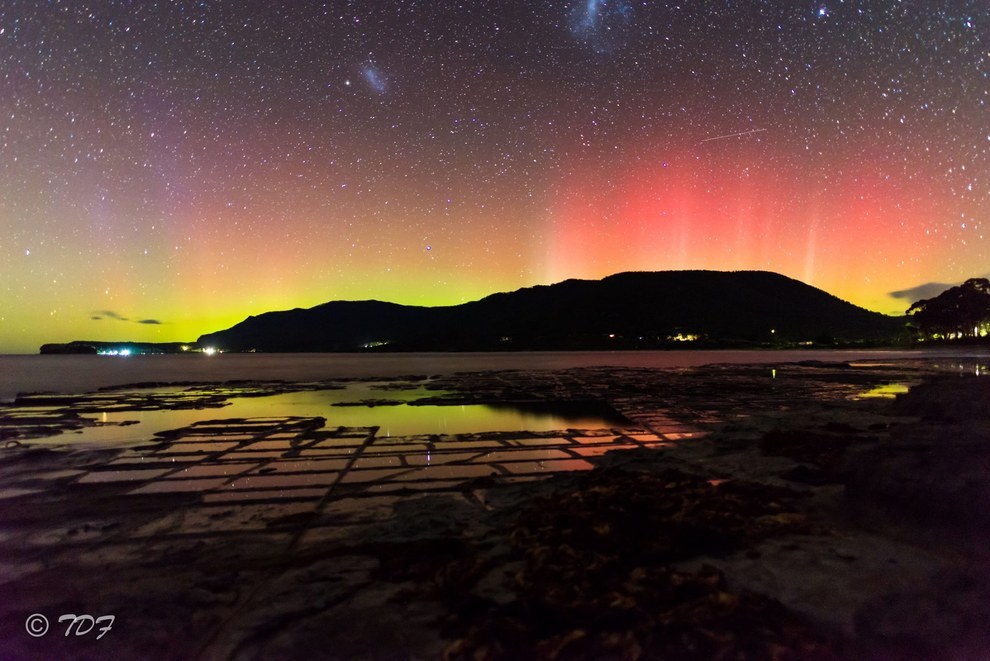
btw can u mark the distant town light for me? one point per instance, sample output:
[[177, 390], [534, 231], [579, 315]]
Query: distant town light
[[114, 352], [209, 351]]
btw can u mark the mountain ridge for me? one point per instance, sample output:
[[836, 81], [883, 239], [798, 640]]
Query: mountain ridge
[[632, 309]]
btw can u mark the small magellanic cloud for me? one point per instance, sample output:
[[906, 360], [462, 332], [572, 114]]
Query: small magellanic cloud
[[374, 78]]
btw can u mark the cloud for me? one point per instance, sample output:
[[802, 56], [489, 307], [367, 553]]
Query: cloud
[[108, 314], [100, 315], [927, 290]]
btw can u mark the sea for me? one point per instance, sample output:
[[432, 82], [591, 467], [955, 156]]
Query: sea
[[84, 373]]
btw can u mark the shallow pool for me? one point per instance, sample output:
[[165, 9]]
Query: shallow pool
[[398, 418]]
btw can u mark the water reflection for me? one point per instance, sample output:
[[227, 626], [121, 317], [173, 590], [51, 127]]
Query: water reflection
[[977, 368], [885, 391], [397, 418]]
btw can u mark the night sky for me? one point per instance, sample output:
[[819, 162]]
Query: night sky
[[168, 168]]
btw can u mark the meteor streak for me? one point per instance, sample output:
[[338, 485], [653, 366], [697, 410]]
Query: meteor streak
[[733, 135]]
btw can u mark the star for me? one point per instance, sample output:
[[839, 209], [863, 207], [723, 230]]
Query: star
[[267, 155]]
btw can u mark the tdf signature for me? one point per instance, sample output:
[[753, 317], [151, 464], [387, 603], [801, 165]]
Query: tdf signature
[[79, 625]]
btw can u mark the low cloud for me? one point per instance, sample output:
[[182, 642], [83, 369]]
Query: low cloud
[[100, 315], [927, 290], [108, 314]]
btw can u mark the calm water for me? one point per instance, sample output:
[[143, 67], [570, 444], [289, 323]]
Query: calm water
[[392, 420], [84, 373], [73, 374]]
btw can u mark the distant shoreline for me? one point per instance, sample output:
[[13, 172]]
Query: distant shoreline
[[85, 347], [32, 373]]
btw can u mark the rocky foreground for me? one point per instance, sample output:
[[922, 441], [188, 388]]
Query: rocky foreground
[[794, 511]]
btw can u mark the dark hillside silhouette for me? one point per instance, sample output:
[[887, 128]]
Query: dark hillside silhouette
[[627, 310]]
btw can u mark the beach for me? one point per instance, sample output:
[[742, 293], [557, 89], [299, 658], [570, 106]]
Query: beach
[[791, 509]]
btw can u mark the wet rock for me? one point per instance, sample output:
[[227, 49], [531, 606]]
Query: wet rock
[[955, 399], [932, 472], [596, 580], [932, 475], [826, 451], [674, 552], [370, 403], [813, 476], [945, 619]]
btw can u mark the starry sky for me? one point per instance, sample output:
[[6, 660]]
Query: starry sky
[[168, 168]]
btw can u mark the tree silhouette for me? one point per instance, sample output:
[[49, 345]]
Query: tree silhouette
[[961, 311]]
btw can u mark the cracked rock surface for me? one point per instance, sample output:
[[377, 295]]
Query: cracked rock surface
[[818, 511]]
